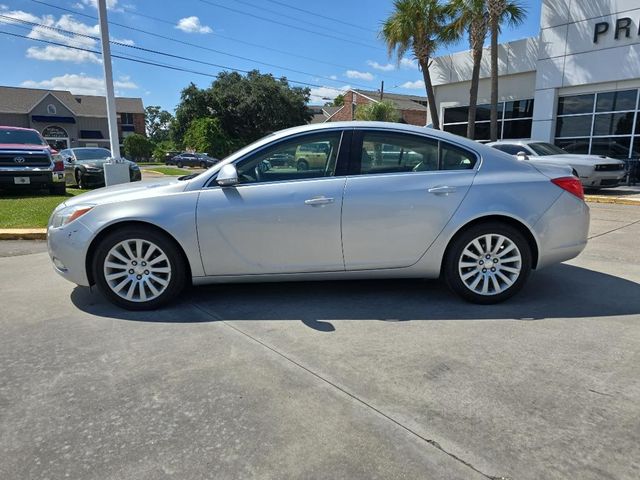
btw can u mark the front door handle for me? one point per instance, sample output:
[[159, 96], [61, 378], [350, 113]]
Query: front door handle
[[318, 201], [442, 190]]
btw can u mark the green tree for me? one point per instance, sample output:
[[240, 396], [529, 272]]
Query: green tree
[[138, 147], [158, 123], [336, 102], [194, 103], [161, 148], [251, 106], [384, 111], [205, 135], [513, 13], [416, 26], [470, 16]]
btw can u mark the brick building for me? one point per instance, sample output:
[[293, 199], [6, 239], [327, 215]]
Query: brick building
[[412, 108], [66, 120]]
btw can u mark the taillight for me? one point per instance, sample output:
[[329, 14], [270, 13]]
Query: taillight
[[571, 185], [58, 166]]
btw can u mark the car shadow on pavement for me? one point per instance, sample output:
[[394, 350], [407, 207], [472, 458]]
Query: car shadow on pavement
[[562, 291]]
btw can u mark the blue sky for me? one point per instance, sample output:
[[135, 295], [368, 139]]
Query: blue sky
[[258, 30]]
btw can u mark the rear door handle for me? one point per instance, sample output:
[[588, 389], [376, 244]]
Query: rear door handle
[[442, 190], [318, 201]]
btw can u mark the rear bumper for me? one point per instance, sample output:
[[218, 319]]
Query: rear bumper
[[563, 230]]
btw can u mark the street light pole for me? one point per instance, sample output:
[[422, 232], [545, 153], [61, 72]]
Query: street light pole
[[108, 80], [115, 171]]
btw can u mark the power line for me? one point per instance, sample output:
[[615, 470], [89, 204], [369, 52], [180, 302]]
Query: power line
[[322, 16], [202, 47], [153, 63], [280, 14], [8, 19], [296, 27]]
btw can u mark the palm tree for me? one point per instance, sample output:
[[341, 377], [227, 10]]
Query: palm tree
[[500, 11], [384, 111], [416, 25], [470, 16]]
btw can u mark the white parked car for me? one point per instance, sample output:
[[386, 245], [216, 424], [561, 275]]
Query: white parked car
[[594, 171]]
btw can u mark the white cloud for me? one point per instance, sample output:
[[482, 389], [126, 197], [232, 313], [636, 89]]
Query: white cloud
[[409, 63], [359, 75], [385, 68], [80, 84], [333, 77], [324, 93], [56, 52], [192, 25], [417, 85], [111, 4]]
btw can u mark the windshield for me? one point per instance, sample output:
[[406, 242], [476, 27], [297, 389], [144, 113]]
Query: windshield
[[23, 137], [544, 149], [92, 154]]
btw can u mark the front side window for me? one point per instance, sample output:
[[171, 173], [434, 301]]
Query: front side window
[[309, 156], [385, 152]]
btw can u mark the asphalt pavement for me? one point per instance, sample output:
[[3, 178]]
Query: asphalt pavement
[[316, 380]]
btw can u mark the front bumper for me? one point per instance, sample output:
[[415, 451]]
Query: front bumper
[[67, 248], [36, 178], [603, 179], [96, 179]]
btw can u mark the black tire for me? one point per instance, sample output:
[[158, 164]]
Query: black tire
[[302, 165], [79, 181], [203, 165], [177, 263], [179, 165], [58, 189], [451, 270]]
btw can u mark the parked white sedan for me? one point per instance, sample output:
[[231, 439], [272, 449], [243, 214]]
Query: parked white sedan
[[594, 171]]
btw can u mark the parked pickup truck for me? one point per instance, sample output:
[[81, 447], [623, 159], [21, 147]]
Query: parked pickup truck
[[27, 161]]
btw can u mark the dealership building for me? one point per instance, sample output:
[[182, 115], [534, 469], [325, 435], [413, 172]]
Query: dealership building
[[577, 84], [68, 120]]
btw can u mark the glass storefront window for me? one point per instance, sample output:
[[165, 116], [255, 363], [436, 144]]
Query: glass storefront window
[[575, 126], [616, 101], [460, 129], [575, 104], [519, 109], [613, 124], [611, 147], [574, 145], [517, 129], [456, 114], [636, 148]]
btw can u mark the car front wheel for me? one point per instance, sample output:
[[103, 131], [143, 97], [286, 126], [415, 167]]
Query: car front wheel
[[138, 269], [488, 263]]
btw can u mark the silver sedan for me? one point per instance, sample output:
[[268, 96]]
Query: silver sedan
[[382, 201]]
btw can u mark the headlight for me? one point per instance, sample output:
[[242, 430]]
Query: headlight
[[93, 169], [68, 214]]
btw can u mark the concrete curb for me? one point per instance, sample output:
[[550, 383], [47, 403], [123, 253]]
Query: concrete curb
[[614, 200], [23, 234]]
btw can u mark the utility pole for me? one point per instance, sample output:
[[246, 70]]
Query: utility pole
[[381, 90], [115, 171]]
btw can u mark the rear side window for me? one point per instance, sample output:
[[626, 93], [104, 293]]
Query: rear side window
[[510, 149], [390, 152]]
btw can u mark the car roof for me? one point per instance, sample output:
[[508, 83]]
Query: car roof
[[8, 127], [87, 148]]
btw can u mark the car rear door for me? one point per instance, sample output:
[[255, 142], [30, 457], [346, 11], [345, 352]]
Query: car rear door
[[277, 219], [395, 206]]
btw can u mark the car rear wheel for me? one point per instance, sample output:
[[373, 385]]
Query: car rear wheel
[[302, 165], [203, 165], [138, 269], [179, 164], [488, 263]]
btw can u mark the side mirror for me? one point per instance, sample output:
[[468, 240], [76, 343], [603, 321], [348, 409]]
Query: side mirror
[[228, 176], [68, 159], [522, 156]]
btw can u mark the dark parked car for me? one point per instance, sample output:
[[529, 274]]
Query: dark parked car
[[27, 161], [201, 160], [169, 155], [84, 166]]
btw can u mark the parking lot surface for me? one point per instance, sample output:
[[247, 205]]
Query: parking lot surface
[[354, 380]]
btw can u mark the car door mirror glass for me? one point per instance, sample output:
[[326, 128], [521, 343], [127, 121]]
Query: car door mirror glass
[[228, 176]]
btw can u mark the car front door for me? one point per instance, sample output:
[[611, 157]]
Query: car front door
[[276, 219], [401, 191]]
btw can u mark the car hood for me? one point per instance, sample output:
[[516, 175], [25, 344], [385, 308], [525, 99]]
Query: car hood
[[22, 146], [97, 163], [576, 159], [128, 192]]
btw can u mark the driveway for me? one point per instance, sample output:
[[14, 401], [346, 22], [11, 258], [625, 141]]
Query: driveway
[[329, 380]]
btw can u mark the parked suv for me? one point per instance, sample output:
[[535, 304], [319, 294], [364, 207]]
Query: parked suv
[[27, 161], [312, 156]]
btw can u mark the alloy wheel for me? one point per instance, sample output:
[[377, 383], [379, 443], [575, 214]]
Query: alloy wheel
[[490, 264], [137, 270]]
